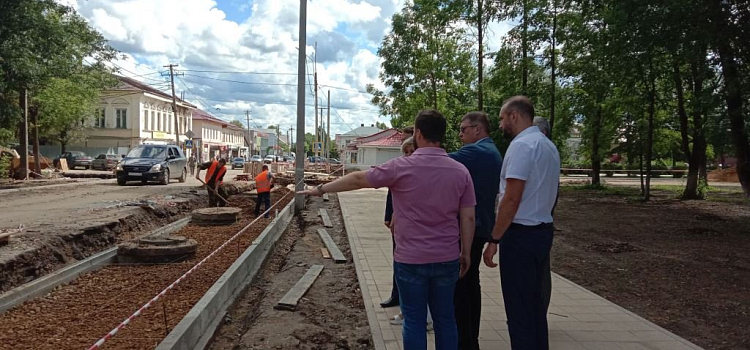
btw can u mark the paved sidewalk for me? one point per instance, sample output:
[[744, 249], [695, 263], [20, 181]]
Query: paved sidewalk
[[578, 318]]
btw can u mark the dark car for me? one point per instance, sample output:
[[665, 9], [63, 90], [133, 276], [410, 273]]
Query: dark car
[[75, 159], [106, 161], [152, 163], [238, 162]]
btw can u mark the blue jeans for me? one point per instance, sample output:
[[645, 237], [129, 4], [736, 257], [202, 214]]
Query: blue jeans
[[423, 284]]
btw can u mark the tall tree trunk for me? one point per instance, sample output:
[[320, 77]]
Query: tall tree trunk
[[684, 132], [34, 113], [23, 140], [732, 92], [697, 162], [640, 170], [525, 49], [596, 162], [650, 131], [480, 58], [553, 63]]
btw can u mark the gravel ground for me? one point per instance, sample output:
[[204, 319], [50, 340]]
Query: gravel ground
[[75, 315], [331, 315]]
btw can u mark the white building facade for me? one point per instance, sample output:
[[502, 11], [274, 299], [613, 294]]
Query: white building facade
[[132, 114]]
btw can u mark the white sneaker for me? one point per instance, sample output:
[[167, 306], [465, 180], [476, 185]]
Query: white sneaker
[[396, 320]]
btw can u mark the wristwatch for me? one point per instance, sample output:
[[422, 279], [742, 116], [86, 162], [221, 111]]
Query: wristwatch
[[492, 240], [320, 188]]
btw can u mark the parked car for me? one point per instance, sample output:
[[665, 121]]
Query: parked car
[[75, 159], [256, 159], [152, 163], [238, 162], [333, 161], [106, 161], [271, 159]]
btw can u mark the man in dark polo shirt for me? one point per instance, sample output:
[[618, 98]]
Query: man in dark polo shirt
[[480, 156]]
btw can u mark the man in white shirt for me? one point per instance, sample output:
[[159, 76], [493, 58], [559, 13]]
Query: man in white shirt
[[523, 228]]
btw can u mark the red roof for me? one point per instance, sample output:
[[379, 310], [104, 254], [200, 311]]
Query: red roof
[[146, 88], [394, 140], [200, 114]]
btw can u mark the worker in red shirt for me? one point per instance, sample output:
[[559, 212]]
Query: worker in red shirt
[[215, 180], [263, 183]]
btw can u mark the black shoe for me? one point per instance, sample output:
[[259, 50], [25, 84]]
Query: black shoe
[[391, 302]]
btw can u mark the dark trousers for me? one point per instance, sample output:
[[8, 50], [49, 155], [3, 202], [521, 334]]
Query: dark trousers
[[394, 290], [526, 282], [468, 300], [213, 200], [264, 197]]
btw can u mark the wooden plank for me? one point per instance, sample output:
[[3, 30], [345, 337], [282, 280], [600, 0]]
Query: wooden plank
[[326, 219], [326, 254], [325, 197], [4, 238], [64, 165], [336, 253], [292, 297]]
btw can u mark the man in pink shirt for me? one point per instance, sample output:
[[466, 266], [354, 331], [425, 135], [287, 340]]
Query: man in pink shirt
[[430, 191]]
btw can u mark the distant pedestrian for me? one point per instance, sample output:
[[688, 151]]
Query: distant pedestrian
[[480, 156], [543, 125], [523, 228], [191, 165], [263, 184], [430, 190], [214, 180]]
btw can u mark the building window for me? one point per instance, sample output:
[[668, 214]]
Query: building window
[[122, 118], [145, 119], [99, 118], [158, 121], [153, 120]]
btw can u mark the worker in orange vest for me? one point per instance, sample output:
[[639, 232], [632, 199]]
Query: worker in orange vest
[[263, 183], [214, 179]]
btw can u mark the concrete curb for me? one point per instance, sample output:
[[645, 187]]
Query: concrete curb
[[42, 286], [372, 319], [197, 328]]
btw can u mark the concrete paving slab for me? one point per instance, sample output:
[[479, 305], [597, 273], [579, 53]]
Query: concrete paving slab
[[578, 319]]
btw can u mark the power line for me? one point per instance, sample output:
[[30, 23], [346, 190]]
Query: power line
[[345, 89], [237, 72], [239, 81]]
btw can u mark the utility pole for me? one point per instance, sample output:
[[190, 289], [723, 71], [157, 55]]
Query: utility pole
[[315, 75], [278, 139], [299, 169], [328, 126], [289, 141], [249, 135], [174, 105]]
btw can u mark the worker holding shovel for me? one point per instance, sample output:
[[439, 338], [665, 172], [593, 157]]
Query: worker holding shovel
[[214, 180]]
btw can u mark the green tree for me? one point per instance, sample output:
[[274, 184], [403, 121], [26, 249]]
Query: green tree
[[237, 123], [41, 40], [427, 63]]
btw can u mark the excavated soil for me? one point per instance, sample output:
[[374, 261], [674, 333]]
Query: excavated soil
[[76, 315], [330, 316]]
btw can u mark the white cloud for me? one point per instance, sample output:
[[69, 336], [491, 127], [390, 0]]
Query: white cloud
[[197, 35]]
